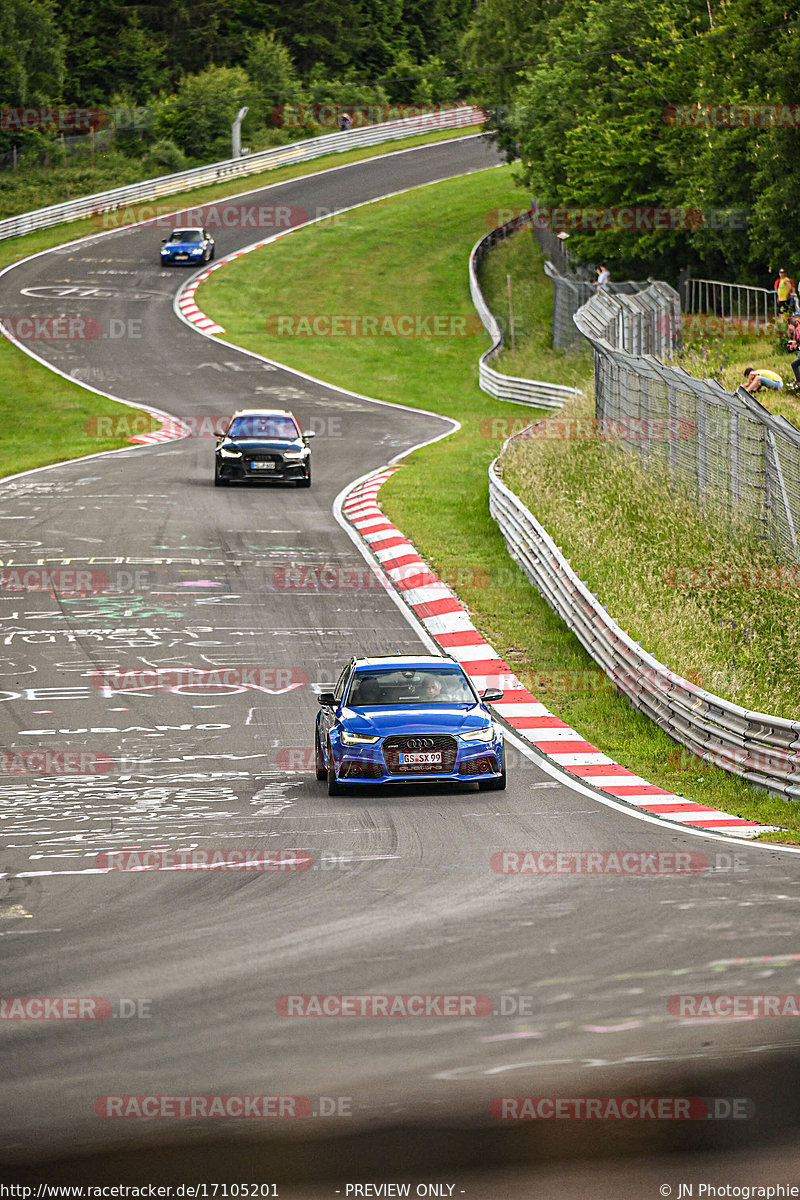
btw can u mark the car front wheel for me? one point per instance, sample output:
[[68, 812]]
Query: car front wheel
[[334, 787], [320, 768], [495, 785]]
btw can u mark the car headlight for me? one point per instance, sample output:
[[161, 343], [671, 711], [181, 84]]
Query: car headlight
[[226, 452], [293, 455], [479, 735], [199, 250], [358, 739]]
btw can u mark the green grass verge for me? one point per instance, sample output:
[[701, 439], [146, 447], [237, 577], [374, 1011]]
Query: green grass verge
[[532, 357], [12, 249], [718, 350], [58, 426], [32, 187], [439, 497]]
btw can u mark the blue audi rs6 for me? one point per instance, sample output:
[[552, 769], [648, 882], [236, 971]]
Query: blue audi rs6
[[407, 719]]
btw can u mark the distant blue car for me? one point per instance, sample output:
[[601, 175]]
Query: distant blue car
[[407, 719], [192, 246]]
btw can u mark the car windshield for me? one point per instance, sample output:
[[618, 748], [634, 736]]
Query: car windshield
[[186, 235], [404, 685], [269, 427]]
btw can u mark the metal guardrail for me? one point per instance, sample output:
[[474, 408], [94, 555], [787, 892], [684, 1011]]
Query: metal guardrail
[[250, 164], [731, 301], [763, 749], [507, 387]]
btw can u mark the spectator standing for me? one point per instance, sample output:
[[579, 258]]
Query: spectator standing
[[603, 278], [345, 121], [793, 345], [785, 288]]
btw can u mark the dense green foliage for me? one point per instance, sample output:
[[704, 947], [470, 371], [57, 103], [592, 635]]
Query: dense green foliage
[[592, 96], [586, 94], [178, 71]]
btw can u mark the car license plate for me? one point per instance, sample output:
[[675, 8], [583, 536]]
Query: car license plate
[[422, 758], [267, 466], [181, 256]]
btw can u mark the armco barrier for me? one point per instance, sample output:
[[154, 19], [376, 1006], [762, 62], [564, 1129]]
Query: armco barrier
[[762, 749], [507, 387], [250, 164]]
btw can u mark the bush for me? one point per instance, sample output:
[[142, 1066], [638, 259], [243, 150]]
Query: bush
[[165, 158]]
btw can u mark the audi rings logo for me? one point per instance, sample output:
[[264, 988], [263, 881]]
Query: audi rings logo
[[419, 743]]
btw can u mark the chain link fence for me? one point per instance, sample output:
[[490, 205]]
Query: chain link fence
[[720, 446]]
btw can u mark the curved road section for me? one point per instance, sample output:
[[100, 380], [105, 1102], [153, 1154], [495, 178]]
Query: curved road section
[[158, 673]]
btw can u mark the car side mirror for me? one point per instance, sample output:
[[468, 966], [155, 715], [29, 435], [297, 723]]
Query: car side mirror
[[328, 699], [492, 694], [308, 433], [163, 240]]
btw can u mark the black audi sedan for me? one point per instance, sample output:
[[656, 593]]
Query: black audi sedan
[[263, 445]]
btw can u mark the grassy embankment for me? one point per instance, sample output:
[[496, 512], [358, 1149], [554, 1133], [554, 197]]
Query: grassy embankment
[[438, 498]]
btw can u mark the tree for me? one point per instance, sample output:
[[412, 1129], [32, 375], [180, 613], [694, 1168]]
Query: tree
[[198, 117], [31, 53]]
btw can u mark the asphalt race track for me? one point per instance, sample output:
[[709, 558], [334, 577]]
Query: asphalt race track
[[400, 898]]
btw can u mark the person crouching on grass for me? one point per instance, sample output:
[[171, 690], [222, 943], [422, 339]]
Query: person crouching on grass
[[761, 378]]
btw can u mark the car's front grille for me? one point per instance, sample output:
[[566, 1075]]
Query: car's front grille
[[276, 458], [485, 765], [442, 743]]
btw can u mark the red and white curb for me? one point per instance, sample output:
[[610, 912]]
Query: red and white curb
[[171, 429], [188, 305], [448, 623]]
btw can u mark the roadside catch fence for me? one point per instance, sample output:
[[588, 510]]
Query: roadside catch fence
[[723, 447]]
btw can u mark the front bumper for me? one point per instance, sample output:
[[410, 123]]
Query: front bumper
[[366, 765], [239, 470], [189, 260]]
